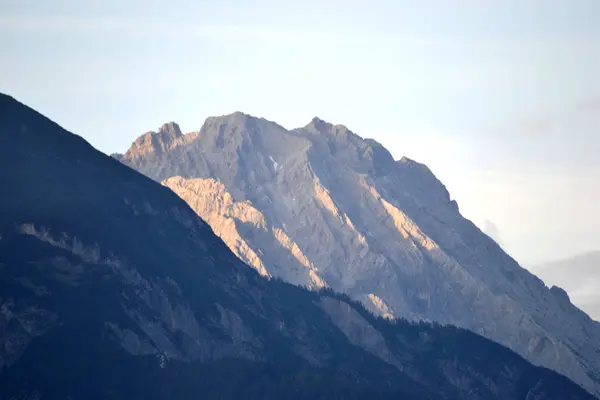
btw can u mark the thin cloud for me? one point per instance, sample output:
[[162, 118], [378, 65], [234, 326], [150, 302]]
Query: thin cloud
[[591, 105], [17, 23], [548, 125], [539, 127], [152, 27]]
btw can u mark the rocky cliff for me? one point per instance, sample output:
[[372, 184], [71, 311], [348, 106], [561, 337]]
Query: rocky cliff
[[580, 276], [112, 287], [320, 206]]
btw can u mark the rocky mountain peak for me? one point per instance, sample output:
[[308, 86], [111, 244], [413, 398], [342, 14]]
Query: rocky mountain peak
[[170, 130], [419, 178], [578, 275], [319, 126], [235, 120], [154, 142], [321, 205], [339, 141], [237, 128], [561, 294], [151, 304], [416, 167]]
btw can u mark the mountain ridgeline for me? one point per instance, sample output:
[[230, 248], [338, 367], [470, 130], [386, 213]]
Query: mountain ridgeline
[[580, 276], [112, 287], [319, 206]]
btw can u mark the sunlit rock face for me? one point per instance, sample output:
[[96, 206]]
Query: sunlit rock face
[[112, 287], [320, 205]]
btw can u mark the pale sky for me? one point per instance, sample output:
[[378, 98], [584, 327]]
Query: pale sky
[[500, 98]]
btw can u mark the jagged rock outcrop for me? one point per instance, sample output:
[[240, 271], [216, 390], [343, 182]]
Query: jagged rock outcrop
[[243, 228], [153, 143], [580, 276], [112, 287], [385, 232]]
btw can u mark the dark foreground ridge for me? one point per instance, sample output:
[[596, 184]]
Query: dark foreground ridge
[[111, 287]]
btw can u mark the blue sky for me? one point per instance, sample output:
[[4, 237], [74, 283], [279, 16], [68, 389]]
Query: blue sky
[[500, 98]]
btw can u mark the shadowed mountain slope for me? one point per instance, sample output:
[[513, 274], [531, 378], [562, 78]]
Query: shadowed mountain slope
[[111, 287]]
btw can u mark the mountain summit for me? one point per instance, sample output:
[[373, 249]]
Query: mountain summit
[[164, 139], [321, 206], [112, 287]]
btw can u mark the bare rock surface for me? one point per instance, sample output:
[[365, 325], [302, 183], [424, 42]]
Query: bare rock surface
[[320, 205], [112, 287]]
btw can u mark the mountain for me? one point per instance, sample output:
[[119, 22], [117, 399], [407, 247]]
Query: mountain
[[321, 206], [580, 276], [112, 287]]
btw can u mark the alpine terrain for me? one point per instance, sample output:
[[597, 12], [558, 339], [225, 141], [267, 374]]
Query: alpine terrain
[[581, 278], [112, 287], [320, 206]]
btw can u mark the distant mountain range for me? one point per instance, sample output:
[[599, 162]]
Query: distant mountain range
[[112, 287], [580, 276], [320, 206]]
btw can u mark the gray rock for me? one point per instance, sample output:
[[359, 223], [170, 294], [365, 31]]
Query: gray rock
[[112, 287], [580, 276], [320, 206]]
